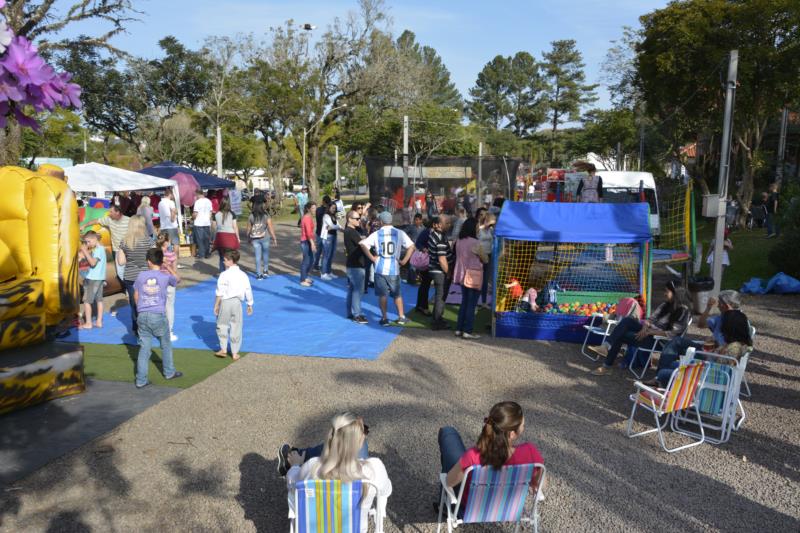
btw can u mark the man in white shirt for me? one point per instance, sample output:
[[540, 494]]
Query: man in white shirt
[[389, 243], [168, 218], [201, 214]]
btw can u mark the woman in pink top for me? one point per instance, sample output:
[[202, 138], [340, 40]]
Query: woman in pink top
[[307, 242], [497, 446], [468, 273]]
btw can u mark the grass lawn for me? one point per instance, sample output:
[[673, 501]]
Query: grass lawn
[[748, 257], [118, 362], [483, 319]]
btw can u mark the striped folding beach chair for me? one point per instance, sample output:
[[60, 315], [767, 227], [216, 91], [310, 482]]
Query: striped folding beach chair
[[717, 400], [495, 495], [679, 396], [330, 506]]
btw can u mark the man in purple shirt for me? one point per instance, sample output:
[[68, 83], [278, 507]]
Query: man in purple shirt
[[150, 295]]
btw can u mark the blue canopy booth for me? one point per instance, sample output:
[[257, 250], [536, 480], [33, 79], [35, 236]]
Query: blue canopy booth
[[167, 169], [576, 255]]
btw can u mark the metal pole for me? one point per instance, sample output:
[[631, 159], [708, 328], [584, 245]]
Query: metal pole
[[337, 164], [782, 145], [724, 167], [304, 157], [479, 188], [405, 157], [85, 147], [619, 156]]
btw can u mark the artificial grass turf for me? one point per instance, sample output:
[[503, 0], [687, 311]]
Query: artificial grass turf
[[482, 326], [118, 363]]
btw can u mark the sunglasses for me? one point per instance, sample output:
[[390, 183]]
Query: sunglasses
[[355, 218]]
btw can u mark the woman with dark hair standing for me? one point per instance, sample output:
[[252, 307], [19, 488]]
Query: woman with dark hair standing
[[670, 319], [308, 244], [431, 207], [227, 231], [497, 446], [259, 231], [468, 273]]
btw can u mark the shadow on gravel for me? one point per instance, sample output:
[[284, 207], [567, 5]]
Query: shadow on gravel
[[262, 494], [68, 521], [208, 481]]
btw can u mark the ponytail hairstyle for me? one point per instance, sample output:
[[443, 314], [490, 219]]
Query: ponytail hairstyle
[[162, 238], [339, 459], [493, 444]]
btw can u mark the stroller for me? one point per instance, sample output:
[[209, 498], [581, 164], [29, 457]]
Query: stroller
[[757, 216]]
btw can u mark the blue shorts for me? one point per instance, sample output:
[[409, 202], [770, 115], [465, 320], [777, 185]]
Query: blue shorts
[[386, 285]]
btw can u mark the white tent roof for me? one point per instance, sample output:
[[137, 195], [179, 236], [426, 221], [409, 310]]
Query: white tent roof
[[99, 179]]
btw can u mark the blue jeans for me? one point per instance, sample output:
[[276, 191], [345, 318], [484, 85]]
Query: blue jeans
[[134, 312], [308, 260], [624, 333], [316, 451], [355, 284], [153, 325], [670, 356], [202, 240], [261, 251], [329, 249], [466, 312], [451, 447], [771, 227], [318, 254]]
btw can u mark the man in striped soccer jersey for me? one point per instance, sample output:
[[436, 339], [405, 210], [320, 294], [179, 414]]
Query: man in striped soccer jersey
[[389, 243]]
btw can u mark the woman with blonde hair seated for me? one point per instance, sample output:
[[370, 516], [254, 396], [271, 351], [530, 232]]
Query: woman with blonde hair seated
[[343, 459]]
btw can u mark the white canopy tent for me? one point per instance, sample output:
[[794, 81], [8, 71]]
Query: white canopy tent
[[99, 179]]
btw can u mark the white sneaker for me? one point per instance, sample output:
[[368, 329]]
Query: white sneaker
[[470, 336], [458, 333], [326, 277], [173, 337], [113, 313]]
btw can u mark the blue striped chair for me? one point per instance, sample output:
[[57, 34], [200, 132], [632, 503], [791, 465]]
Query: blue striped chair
[[495, 495], [330, 506]]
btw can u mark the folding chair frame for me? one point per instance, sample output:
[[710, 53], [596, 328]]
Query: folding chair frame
[[592, 329], [657, 340], [453, 503], [657, 409], [726, 421], [746, 392], [375, 511]]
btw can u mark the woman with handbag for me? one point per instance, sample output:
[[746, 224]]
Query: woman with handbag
[[468, 272]]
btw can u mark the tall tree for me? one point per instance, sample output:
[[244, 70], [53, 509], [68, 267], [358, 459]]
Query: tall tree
[[683, 57], [489, 104], [434, 77], [568, 91], [526, 95]]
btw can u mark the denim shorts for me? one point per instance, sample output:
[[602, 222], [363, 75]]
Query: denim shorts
[[387, 285], [92, 291]]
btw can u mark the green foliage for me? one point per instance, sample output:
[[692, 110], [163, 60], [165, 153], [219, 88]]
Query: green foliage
[[61, 136], [601, 132], [785, 256]]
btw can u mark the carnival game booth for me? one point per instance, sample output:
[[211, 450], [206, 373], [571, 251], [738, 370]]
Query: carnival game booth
[[579, 258]]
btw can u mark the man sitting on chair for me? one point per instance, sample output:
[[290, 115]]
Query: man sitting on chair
[[730, 332]]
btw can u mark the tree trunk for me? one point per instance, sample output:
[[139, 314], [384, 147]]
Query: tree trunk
[[10, 144], [313, 182]]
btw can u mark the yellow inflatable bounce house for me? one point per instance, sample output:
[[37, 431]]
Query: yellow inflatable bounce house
[[39, 286]]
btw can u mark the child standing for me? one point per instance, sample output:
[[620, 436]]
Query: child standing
[[95, 278], [170, 266], [233, 287], [150, 295]]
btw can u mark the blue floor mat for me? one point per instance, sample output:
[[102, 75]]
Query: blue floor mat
[[288, 319]]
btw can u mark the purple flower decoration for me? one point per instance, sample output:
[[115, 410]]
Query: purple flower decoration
[[9, 91], [22, 61]]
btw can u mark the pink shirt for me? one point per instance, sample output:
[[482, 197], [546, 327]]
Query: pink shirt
[[170, 259], [466, 258], [307, 229], [524, 454]]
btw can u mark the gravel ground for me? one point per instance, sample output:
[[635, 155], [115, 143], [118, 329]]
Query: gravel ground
[[204, 459]]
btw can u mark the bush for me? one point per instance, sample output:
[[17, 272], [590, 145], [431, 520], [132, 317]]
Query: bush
[[785, 256]]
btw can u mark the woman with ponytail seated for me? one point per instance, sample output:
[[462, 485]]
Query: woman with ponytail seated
[[344, 458], [497, 446]]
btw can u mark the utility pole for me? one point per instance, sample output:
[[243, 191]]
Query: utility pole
[[619, 156], [782, 145], [724, 168], [405, 158], [219, 151], [85, 147], [479, 188], [304, 157], [641, 145]]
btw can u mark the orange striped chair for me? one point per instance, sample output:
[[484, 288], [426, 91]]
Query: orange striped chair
[[679, 397]]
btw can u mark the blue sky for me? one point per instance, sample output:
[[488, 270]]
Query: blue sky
[[467, 33]]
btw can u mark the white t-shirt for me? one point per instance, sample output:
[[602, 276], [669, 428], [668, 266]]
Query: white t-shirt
[[202, 207], [165, 208], [374, 472], [389, 242]]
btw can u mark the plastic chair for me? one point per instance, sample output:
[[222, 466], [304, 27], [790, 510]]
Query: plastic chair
[[592, 328], [680, 395], [495, 495], [330, 506], [717, 400]]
